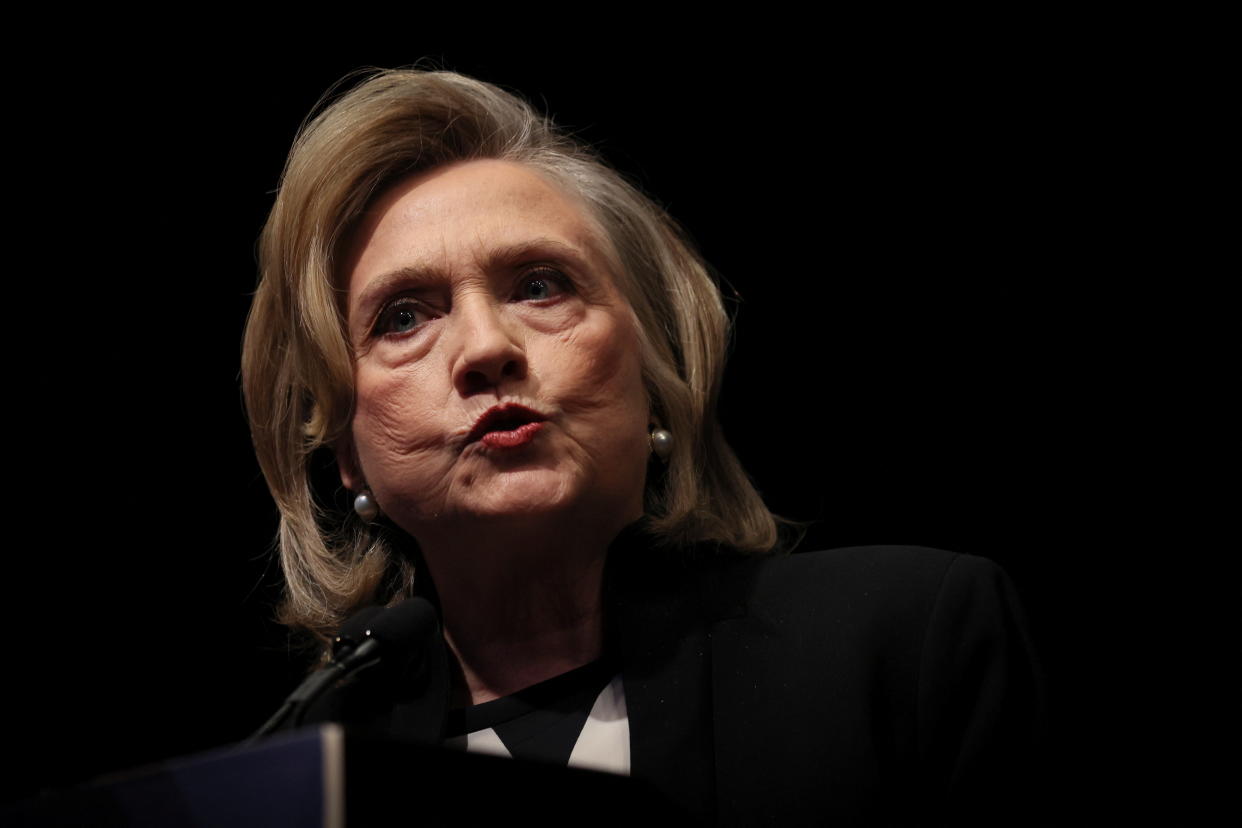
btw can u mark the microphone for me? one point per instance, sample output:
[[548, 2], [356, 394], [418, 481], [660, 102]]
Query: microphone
[[353, 632], [371, 635], [389, 634]]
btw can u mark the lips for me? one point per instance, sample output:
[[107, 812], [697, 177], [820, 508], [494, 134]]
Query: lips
[[506, 426]]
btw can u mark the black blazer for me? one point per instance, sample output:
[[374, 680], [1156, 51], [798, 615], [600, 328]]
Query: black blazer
[[868, 685]]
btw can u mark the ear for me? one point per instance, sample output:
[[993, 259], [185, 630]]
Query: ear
[[347, 462]]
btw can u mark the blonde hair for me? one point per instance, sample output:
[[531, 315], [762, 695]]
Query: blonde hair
[[297, 364]]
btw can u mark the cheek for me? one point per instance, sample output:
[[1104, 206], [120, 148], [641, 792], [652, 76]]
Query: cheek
[[392, 421], [601, 372]]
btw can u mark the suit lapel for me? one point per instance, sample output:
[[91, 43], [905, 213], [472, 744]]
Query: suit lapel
[[661, 626]]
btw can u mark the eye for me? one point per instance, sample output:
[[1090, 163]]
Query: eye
[[544, 283], [401, 316]]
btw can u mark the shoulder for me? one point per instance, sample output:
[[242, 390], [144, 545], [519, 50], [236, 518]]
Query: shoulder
[[896, 608], [892, 567], [859, 580]]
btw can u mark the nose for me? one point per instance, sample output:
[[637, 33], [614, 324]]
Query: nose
[[490, 349]]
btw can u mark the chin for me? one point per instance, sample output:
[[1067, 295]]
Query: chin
[[517, 494]]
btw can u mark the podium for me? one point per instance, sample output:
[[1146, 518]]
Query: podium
[[327, 777]]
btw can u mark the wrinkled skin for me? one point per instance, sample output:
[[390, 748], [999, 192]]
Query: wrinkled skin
[[476, 284]]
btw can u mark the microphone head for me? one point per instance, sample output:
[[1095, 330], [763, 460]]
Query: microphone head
[[403, 635], [405, 626], [396, 638], [354, 631]]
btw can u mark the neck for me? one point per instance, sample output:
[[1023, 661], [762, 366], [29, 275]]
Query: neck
[[518, 607]]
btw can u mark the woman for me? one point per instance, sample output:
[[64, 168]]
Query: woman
[[513, 358]]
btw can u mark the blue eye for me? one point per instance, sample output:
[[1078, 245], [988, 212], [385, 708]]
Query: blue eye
[[542, 284], [403, 319], [402, 316]]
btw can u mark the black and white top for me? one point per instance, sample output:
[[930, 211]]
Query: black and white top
[[577, 718]]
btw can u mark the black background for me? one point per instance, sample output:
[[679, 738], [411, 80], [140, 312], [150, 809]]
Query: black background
[[937, 342]]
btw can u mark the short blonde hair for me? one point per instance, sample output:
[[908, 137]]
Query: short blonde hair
[[297, 363]]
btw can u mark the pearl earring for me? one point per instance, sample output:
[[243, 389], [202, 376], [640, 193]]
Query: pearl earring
[[365, 506], [661, 443]]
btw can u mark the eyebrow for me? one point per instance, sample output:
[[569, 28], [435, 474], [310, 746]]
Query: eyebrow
[[498, 258], [410, 276], [512, 255]]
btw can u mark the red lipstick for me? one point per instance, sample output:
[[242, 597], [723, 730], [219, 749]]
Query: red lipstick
[[506, 426], [519, 436]]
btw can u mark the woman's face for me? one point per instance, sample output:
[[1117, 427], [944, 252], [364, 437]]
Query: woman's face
[[497, 371]]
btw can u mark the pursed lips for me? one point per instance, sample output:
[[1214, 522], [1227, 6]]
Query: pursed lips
[[504, 419]]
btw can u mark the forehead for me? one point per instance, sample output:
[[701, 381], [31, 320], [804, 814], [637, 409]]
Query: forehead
[[454, 213]]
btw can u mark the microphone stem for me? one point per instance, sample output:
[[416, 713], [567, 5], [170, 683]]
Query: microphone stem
[[314, 686]]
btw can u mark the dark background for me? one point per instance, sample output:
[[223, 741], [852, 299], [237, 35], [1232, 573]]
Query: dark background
[[942, 338]]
